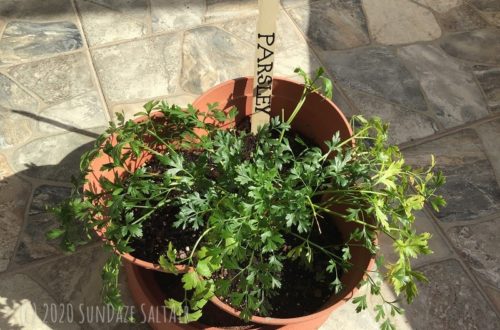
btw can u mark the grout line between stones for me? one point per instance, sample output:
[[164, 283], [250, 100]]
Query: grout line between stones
[[86, 49]]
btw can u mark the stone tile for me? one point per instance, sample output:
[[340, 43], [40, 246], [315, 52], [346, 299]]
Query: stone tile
[[137, 9], [375, 71], [55, 79], [482, 46], [36, 10], [14, 194], [451, 90], [450, 301], [492, 17], [293, 3], [470, 190], [47, 196], [441, 6], [287, 34], [130, 109], [139, 69], [33, 160], [493, 294], [287, 60], [333, 24], [33, 244], [490, 134], [478, 245], [75, 278], [400, 22], [102, 25], [211, 56], [489, 79], [14, 127], [462, 18], [24, 305], [14, 97], [486, 5], [176, 14], [404, 125], [28, 40], [221, 10], [423, 224], [84, 111]]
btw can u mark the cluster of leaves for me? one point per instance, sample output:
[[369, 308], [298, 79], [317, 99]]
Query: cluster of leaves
[[247, 195]]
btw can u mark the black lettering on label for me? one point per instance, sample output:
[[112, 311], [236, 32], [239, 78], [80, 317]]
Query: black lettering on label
[[264, 68], [264, 80], [268, 37], [266, 53]]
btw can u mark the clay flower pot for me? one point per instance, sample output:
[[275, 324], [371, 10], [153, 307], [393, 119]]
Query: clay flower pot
[[318, 121]]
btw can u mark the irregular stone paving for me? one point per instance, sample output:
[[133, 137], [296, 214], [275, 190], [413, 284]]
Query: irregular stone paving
[[431, 68]]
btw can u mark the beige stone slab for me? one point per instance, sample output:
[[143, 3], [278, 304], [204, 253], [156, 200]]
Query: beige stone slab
[[220, 10], [36, 10], [211, 56], [176, 14], [139, 69], [400, 22], [102, 25], [14, 195], [441, 6]]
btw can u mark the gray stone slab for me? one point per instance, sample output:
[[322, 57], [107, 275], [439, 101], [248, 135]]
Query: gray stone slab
[[211, 56], [287, 34], [462, 18], [404, 125], [489, 79], [292, 3], [102, 24], [299, 56], [47, 196], [451, 90], [471, 190], [486, 5], [450, 301], [55, 79], [221, 10], [33, 244], [36, 10], [139, 69], [478, 245], [176, 14], [84, 111], [28, 40], [440, 6], [33, 159], [14, 194], [375, 71], [400, 22], [333, 24], [26, 305], [481, 46]]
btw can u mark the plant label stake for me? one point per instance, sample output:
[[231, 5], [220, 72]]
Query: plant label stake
[[264, 62]]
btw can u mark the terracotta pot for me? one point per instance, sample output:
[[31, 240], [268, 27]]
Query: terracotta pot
[[318, 121]]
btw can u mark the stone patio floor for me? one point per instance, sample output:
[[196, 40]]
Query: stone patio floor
[[429, 67]]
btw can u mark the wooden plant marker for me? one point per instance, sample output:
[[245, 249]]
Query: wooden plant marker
[[264, 62]]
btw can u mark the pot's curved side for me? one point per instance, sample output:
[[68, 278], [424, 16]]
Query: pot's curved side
[[318, 120]]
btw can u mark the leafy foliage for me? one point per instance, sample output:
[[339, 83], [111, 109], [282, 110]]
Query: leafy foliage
[[247, 202]]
